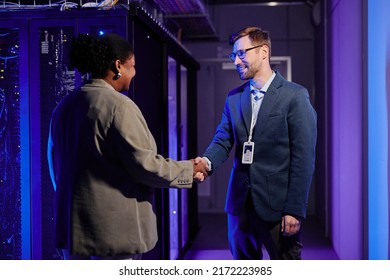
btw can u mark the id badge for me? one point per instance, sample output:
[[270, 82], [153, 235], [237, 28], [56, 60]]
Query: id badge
[[247, 152]]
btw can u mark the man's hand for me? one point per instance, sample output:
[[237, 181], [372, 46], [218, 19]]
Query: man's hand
[[202, 160], [290, 225], [200, 170]]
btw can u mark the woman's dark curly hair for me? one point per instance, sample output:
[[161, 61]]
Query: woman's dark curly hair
[[97, 54]]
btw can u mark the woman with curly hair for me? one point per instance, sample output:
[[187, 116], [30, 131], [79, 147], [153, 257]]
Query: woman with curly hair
[[103, 159]]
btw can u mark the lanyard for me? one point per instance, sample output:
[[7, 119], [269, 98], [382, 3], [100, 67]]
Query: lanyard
[[255, 112]]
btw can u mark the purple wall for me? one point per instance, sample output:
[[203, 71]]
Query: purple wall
[[346, 128]]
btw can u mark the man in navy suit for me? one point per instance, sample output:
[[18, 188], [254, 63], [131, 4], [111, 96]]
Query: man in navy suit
[[271, 124]]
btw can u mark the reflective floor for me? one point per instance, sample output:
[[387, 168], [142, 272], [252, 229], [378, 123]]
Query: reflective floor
[[211, 241]]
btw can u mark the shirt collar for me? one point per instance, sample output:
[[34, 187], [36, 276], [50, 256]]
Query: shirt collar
[[266, 85]]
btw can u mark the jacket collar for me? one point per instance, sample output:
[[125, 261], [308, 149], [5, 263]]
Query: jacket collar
[[270, 98]]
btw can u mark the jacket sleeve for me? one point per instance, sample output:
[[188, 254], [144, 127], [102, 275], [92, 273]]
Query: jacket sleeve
[[138, 152], [302, 123], [221, 145]]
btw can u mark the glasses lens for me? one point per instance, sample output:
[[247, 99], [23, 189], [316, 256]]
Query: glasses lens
[[241, 54]]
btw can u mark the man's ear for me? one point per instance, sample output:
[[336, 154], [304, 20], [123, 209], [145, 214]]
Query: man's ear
[[264, 51]]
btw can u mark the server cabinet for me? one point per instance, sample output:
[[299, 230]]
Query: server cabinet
[[158, 89], [15, 224]]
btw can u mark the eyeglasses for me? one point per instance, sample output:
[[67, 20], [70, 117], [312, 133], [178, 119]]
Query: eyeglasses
[[241, 53]]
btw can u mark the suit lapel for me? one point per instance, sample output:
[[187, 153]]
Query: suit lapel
[[270, 99], [246, 107]]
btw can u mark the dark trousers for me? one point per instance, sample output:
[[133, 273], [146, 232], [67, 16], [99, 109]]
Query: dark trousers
[[247, 235]]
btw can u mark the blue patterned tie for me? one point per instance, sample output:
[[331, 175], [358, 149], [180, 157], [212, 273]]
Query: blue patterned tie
[[258, 94]]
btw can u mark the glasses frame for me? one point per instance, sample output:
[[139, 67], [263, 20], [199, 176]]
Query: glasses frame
[[242, 53]]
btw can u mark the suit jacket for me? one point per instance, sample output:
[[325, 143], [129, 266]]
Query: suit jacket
[[104, 165], [285, 136]]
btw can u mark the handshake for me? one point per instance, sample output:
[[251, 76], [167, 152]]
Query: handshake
[[200, 169]]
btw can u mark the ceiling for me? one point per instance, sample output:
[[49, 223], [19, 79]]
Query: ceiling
[[185, 19], [264, 2], [191, 19]]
